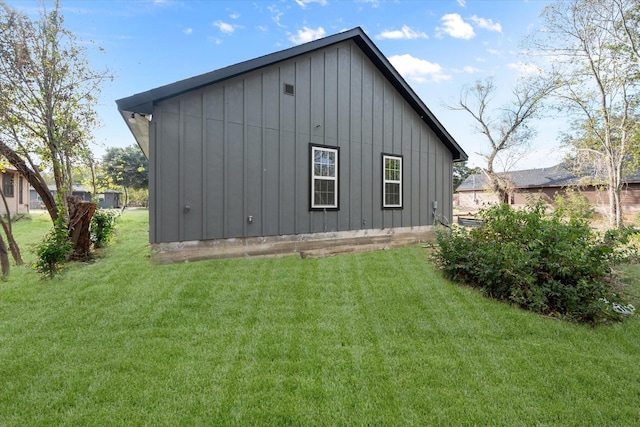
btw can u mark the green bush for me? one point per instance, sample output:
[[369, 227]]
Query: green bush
[[573, 203], [53, 250], [103, 225], [138, 197], [547, 263]]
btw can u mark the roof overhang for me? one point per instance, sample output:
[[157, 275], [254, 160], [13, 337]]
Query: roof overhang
[[138, 122]]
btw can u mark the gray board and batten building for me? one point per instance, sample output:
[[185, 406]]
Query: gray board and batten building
[[319, 148]]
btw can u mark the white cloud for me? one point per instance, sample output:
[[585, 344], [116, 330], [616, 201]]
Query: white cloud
[[188, 31], [303, 3], [417, 69], [462, 3], [470, 70], [225, 27], [454, 25], [234, 15], [487, 24], [276, 14], [307, 34], [405, 33]]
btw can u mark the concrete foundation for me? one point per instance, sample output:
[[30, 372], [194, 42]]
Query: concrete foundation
[[307, 245]]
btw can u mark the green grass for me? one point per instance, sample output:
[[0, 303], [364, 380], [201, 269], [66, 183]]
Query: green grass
[[367, 339]]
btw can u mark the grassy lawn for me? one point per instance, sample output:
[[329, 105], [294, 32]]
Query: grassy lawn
[[367, 339]]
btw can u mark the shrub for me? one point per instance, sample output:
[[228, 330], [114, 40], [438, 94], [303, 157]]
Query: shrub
[[103, 224], [546, 263], [572, 203], [53, 250]]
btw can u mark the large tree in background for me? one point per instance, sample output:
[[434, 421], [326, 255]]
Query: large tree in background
[[47, 97], [593, 50], [507, 128], [127, 167]]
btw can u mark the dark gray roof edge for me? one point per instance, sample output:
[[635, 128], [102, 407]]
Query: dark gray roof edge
[[143, 102], [557, 176], [388, 70]]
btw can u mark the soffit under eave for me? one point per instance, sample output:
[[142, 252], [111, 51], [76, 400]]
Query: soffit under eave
[[139, 129]]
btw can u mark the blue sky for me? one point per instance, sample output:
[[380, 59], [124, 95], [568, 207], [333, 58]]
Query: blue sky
[[438, 47]]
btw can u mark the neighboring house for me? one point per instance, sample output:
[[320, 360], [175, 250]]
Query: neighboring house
[[320, 145], [546, 183], [107, 199], [16, 192]]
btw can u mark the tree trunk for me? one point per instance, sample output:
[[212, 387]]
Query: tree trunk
[[80, 214], [6, 225], [4, 258], [36, 182], [13, 245]]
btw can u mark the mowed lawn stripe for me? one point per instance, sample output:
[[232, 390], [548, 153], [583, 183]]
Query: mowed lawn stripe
[[365, 339]]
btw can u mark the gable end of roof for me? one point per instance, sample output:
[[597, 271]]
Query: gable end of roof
[[143, 103]]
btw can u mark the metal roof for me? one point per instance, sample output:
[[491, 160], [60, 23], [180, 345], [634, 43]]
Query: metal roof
[[142, 103]]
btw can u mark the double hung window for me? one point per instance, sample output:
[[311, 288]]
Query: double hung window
[[324, 177], [392, 181]]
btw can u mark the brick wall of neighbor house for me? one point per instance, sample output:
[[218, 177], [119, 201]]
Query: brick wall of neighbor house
[[521, 197], [474, 200], [599, 199], [631, 198]]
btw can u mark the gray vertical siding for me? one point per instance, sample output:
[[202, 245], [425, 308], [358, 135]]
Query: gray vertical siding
[[240, 148]]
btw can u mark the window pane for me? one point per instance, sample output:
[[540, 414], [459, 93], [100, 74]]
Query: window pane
[[7, 187], [324, 192], [392, 194], [392, 169], [324, 163]]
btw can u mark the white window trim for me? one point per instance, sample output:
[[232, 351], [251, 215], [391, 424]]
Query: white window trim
[[386, 181], [314, 178]]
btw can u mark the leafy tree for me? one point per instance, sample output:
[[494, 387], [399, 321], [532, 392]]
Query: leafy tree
[[507, 128], [127, 167], [47, 95], [593, 46], [92, 174]]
